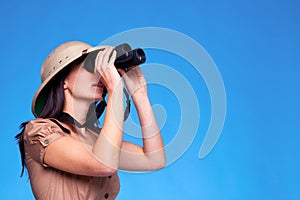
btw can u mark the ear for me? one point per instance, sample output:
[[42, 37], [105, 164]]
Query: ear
[[65, 85]]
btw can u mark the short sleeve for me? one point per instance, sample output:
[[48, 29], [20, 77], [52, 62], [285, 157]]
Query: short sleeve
[[38, 134]]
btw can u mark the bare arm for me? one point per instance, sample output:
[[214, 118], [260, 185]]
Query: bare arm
[[152, 155]]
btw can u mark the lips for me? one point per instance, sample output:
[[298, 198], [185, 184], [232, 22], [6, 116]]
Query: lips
[[100, 84]]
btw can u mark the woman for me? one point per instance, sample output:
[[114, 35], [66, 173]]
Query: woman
[[66, 155]]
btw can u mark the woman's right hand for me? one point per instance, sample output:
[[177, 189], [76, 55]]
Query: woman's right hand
[[105, 68]]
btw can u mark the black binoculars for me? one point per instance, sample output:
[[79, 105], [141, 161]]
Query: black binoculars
[[125, 58]]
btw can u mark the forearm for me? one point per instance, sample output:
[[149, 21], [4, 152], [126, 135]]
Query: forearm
[[107, 147], [153, 146]]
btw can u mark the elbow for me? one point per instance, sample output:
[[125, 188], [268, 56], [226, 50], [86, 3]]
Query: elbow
[[110, 172], [104, 171], [161, 164], [163, 161], [158, 164], [99, 169]]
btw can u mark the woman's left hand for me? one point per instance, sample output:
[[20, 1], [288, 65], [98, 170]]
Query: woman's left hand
[[135, 81]]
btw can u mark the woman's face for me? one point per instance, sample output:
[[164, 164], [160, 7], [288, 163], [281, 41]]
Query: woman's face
[[84, 85]]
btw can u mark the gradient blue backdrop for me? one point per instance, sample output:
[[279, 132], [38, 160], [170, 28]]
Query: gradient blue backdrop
[[255, 45]]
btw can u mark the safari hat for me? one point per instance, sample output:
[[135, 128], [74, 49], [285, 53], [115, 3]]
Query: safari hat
[[56, 61]]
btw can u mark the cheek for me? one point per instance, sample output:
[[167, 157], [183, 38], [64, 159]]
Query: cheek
[[82, 84], [76, 83]]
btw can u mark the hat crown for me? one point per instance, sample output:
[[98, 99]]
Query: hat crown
[[61, 56]]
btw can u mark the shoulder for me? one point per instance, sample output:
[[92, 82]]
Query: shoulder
[[44, 126]]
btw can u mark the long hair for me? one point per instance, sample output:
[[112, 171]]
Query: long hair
[[53, 106], [55, 99]]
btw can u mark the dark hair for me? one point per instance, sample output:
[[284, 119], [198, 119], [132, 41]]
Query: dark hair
[[53, 106], [55, 97], [20, 139]]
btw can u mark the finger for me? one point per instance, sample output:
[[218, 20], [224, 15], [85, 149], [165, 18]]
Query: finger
[[107, 56], [101, 54], [99, 61], [112, 56]]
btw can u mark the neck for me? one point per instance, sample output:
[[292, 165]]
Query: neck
[[77, 109]]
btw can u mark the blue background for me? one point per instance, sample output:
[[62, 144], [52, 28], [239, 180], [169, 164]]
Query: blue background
[[255, 45]]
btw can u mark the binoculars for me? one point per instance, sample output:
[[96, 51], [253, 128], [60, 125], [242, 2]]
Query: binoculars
[[125, 58]]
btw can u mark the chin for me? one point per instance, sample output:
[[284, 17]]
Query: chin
[[98, 97]]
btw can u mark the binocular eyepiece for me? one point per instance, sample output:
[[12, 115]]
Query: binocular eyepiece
[[125, 58]]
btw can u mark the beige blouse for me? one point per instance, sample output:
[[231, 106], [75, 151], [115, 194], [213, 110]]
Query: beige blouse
[[50, 183]]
